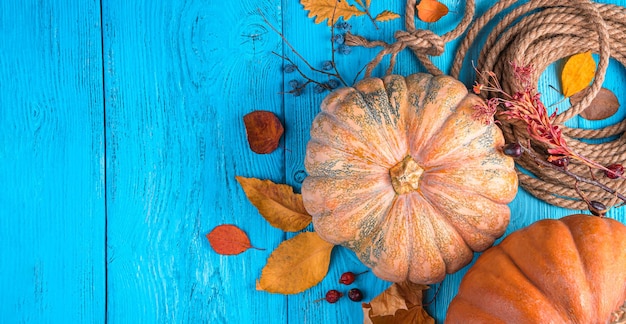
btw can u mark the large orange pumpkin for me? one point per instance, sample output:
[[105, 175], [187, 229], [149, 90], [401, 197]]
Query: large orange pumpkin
[[571, 270], [403, 172]]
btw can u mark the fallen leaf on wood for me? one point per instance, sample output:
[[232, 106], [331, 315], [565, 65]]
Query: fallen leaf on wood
[[228, 239], [577, 73], [264, 130], [431, 10], [386, 15], [401, 303], [327, 9], [296, 265], [603, 106], [277, 203]]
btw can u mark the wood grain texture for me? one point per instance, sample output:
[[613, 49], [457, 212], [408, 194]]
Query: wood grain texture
[[178, 78], [52, 232], [180, 75]]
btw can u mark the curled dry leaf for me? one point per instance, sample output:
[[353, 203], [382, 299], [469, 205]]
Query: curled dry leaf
[[277, 203], [296, 265], [400, 303], [264, 130], [431, 10], [228, 239], [604, 105], [577, 73], [327, 9], [386, 15]]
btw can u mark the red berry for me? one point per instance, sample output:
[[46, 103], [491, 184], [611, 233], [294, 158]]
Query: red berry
[[355, 294], [332, 296], [597, 208], [615, 171], [513, 150], [560, 161], [347, 278]]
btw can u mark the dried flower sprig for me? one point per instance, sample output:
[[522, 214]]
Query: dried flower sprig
[[526, 107]]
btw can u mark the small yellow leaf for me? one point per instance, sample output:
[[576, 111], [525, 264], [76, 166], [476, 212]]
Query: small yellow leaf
[[277, 203], [325, 9], [577, 73], [431, 10], [296, 265], [386, 16]]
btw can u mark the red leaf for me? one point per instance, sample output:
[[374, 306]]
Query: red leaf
[[264, 130], [228, 239]]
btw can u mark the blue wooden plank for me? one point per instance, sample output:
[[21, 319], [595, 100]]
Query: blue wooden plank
[[180, 75], [52, 219]]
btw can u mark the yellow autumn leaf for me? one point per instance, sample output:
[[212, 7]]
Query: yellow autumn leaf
[[324, 9], [431, 10], [577, 73], [296, 265], [386, 15], [277, 203]]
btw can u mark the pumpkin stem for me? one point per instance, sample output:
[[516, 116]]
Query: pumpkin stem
[[405, 175]]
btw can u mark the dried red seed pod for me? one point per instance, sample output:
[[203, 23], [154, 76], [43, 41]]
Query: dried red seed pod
[[513, 150], [597, 208], [614, 171], [562, 162]]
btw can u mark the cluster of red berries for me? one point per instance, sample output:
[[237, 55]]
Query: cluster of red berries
[[347, 278]]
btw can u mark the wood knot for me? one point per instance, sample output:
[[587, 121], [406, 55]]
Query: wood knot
[[421, 41]]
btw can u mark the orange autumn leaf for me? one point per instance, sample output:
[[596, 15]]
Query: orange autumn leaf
[[431, 10], [228, 239], [296, 265], [327, 9], [277, 203], [401, 303], [263, 130], [386, 15], [577, 73]]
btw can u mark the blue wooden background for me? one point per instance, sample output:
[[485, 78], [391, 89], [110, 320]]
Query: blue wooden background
[[121, 135]]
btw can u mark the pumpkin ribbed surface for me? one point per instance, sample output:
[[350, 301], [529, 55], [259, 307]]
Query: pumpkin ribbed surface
[[403, 172], [571, 270]]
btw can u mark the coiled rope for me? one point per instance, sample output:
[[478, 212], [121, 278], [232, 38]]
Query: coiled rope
[[538, 33], [535, 33]]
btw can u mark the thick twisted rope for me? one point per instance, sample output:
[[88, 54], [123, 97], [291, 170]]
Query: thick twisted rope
[[423, 43], [536, 34]]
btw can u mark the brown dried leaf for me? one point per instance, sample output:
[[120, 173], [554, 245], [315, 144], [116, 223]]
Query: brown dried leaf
[[431, 10], [296, 265], [264, 130], [228, 239], [400, 303], [604, 105], [327, 9], [386, 15], [577, 73], [277, 203]]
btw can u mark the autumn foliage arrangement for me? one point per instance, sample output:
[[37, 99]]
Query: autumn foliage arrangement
[[392, 200]]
